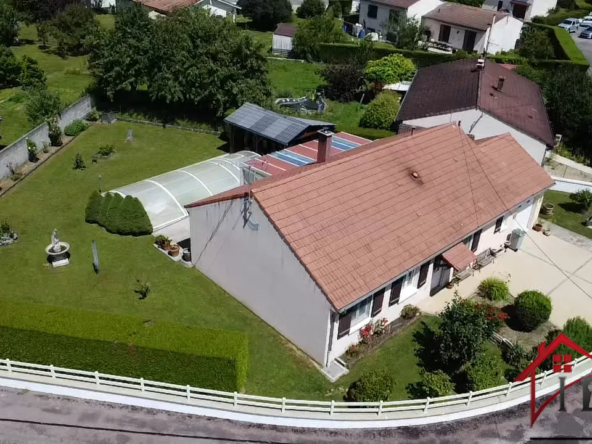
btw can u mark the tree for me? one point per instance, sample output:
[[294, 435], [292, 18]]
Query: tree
[[72, 27], [389, 69], [568, 94], [432, 384], [582, 197], [343, 80], [266, 14], [404, 32], [535, 44], [10, 68], [8, 24], [311, 8], [485, 371], [203, 61], [31, 75], [120, 59], [42, 105], [381, 112], [43, 33], [311, 33], [463, 332], [39, 11]]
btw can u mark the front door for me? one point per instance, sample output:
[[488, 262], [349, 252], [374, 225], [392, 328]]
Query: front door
[[440, 275], [469, 41]]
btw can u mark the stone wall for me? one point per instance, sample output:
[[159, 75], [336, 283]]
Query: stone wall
[[16, 154]]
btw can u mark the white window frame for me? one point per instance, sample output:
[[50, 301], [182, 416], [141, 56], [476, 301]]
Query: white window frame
[[410, 282], [358, 320]]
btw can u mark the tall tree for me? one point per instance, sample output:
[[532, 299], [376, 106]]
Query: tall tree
[[39, 11], [404, 32], [266, 14], [31, 74], [72, 27], [535, 44], [8, 24], [311, 33], [120, 58], [10, 69], [310, 8]]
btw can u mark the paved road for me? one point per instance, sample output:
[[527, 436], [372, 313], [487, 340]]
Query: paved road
[[585, 46], [27, 418]]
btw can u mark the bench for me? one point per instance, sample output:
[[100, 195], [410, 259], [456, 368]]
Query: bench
[[463, 274], [484, 258]]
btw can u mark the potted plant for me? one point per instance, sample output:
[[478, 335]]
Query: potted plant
[[547, 209], [162, 242], [538, 227], [174, 249]]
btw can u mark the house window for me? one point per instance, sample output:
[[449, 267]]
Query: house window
[[476, 238], [361, 311], [377, 302], [444, 33], [396, 291], [498, 225], [500, 4], [423, 274], [372, 11], [467, 241]]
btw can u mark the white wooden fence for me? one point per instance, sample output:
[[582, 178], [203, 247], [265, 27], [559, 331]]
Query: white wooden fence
[[267, 405]]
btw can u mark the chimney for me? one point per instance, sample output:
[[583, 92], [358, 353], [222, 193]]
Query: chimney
[[325, 137], [500, 83], [480, 63]]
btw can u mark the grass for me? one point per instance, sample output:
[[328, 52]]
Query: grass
[[567, 213], [294, 78], [264, 38]]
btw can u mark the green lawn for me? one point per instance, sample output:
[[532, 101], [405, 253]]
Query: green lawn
[[567, 213], [265, 38], [55, 196], [295, 78]]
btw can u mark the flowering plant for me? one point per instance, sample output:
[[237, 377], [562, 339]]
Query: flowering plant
[[380, 326], [366, 332]]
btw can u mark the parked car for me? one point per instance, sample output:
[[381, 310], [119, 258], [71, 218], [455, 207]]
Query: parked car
[[586, 33], [570, 24], [586, 21]]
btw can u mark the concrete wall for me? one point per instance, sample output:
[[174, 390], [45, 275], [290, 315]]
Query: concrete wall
[[17, 153], [482, 125], [259, 269], [457, 35], [568, 185], [281, 44], [504, 35], [489, 239]]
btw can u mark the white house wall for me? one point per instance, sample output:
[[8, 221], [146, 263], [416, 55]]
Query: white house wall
[[258, 269], [457, 35], [422, 7], [482, 125], [504, 35], [489, 239], [382, 16], [218, 9], [540, 7], [281, 44]]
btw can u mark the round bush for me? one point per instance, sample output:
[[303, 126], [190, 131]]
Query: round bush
[[494, 289], [485, 372], [381, 112], [389, 69], [373, 386], [93, 208], [409, 312], [435, 384], [75, 128], [532, 309]]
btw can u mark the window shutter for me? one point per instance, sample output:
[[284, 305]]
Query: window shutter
[[423, 274], [476, 238], [498, 225], [377, 302], [344, 324], [396, 291]]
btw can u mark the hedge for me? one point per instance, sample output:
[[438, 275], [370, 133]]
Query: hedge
[[366, 133], [558, 17], [381, 112], [564, 46], [118, 215], [123, 345]]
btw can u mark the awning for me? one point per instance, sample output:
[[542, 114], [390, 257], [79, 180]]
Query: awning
[[459, 257]]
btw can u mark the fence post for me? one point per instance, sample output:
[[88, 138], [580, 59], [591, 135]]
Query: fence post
[[380, 407], [427, 404], [8, 366], [52, 371], [142, 385], [332, 407], [188, 390], [283, 405], [470, 397], [235, 399], [97, 379], [509, 389]]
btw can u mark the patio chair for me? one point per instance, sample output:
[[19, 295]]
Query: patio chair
[[463, 274], [484, 258]]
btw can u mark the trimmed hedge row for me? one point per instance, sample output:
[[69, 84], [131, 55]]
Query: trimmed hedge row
[[558, 17], [118, 215], [564, 46], [123, 345], [366, 133]]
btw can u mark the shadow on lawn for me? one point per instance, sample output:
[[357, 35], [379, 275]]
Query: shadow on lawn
[[426, 339], [572, 207]]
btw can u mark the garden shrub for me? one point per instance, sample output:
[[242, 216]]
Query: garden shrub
[[310, 8], [372, 386], [32, 150], [55, 133], [409, 311], [133, 219], [434, 384], [390, 69], [366, 133], [93, 208], [31, 76], [381, 112], [485, 371], [516, 355], [105, 204], [79, 163], [113, 214], [75, 128], [494, 289], [123, 345], [532, 309], [10, 69], [118, 215], [578, 330], [93, 116]]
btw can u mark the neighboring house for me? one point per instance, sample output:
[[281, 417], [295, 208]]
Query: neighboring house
[[375, 14], [487, 99], [283, 37], [218, 8], [321, 250], [265, 131], [472, 29], [521, 9]]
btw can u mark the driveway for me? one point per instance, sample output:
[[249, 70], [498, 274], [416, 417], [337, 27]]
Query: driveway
[[560, 269], [585, 45]]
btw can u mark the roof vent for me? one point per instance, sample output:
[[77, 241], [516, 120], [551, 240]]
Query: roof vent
[[415, 175], [500, 83], [480, 63]]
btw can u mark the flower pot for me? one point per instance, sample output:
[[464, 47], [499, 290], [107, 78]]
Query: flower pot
[[537, 227], [450, 285], [174, 251], [547, 209]]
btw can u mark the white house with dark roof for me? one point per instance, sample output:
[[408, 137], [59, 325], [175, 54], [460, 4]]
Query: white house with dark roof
[[375, 14], [472, 29], [283, 39], [322, 250], [521, 9], [218, 8]]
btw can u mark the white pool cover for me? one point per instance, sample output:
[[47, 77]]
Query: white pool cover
[[164, 197]]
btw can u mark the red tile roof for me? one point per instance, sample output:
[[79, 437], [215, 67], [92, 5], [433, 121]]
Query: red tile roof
[[285, 29], [465, 16], [361, 219], [458, 86], [459, 256]]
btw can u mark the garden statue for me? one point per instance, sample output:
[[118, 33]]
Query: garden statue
[[130, 135], [55, 242], [57, 251]]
